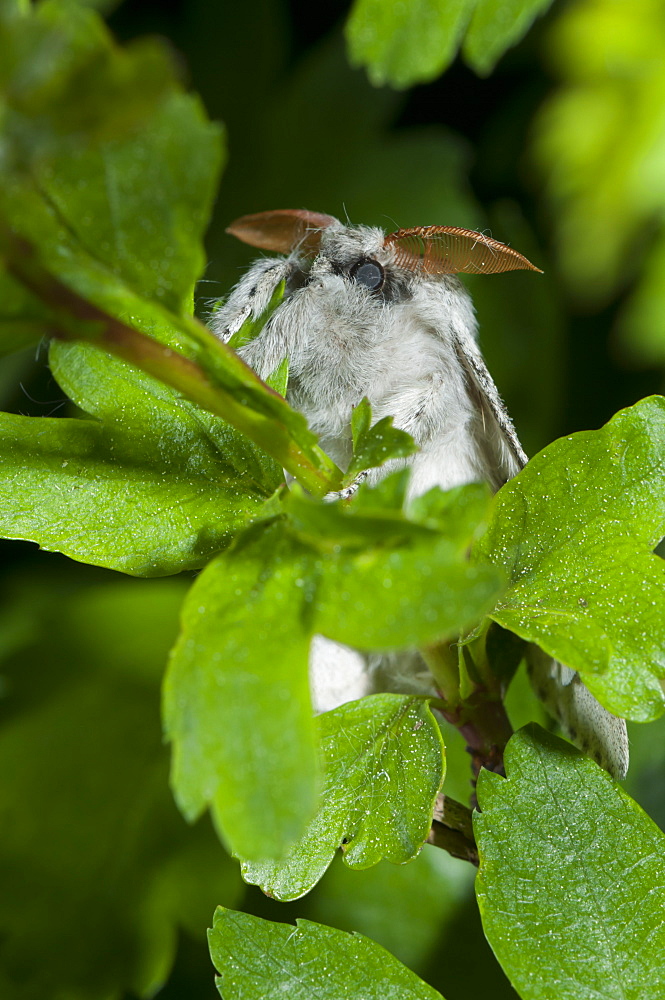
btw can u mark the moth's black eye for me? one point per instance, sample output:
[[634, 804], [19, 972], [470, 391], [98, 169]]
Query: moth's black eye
[[367, 273]]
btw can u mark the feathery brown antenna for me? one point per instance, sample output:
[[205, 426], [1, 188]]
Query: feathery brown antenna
[[282, 230], [450, 250]]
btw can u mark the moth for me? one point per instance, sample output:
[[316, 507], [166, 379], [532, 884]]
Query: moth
[[385, 316]]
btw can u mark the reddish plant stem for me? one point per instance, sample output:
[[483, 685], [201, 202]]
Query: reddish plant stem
[[217, 380], [485, 726]]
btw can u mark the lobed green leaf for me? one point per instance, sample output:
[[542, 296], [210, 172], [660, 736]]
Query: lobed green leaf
[[571, 877], [106, 185], [237, 704], [237, 701], [575, 532], [145, 505], [415, 41], [384, 763], [376, 445], [389, 581], [497, 25], [260, 960]]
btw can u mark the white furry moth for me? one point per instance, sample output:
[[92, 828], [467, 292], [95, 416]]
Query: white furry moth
[[383, 316]]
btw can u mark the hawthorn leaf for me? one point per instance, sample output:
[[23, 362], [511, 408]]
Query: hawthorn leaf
[[377, 445], [139, 205], [361, 420], [237, 705], [384, 763], [122, 396], [327, 526], [260, 960], [81, 749], [497, 25], [389, 494], [432, 890], [572, 875], [413, 42], [63, 76], [388, 581], [397, 598], [575, 532], [403, 44], [106, 166], [147, 505]]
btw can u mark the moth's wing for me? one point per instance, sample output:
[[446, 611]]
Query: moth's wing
[[504, 453], [583, 719], [591, 727], [402, 672], [252, 295]]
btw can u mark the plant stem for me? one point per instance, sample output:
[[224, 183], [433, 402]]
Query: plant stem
[[485, 726], [217, 380], [452, 829], [480, 716]]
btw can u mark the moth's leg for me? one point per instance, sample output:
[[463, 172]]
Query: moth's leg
[[348, 491], [251, 295]]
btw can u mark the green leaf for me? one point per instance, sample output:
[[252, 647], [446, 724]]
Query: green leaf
[[400, 598], [139, 205], [260, 960], [407, 43], [123, 397], [409, 594], [237, 703], [408, 909], [361, 420], [390, 582], [147, 505], [575, 532], [414, 42], [384, 764], [497, 25], [388, 494], [104, 200], [571, 877], [327, 526], [63, 77], [279, 379], [237, 695], [81, 749], [374, 446]]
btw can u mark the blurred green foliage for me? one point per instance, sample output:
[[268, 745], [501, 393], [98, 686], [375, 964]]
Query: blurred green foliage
[[599, 144], [407, 43], [562, 154]]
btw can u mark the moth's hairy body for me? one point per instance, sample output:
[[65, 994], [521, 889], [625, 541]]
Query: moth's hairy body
[[409, 346], [405, 349]]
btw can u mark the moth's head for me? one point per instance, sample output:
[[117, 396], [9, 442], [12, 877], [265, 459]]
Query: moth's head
[[371, 258]]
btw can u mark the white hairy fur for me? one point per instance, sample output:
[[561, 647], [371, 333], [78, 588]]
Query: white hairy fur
[[411, 349]]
